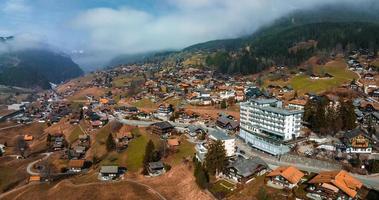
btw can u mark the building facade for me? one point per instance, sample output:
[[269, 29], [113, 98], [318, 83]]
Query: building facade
[[265, 125]]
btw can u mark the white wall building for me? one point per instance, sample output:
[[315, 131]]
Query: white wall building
[[265, 125], [229, 143]]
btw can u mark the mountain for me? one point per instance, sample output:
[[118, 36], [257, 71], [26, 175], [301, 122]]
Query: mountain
[[36, 68], [139, 58]]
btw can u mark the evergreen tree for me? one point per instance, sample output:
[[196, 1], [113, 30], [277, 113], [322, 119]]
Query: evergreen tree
[[148, 156], [201, 175], [348, 116], [110, 143], [223, 104], [215, 159]]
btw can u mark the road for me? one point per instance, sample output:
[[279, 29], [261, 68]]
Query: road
[[13, 126], [30, 165]]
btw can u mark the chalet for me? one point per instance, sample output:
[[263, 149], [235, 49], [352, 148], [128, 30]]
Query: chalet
[[314, 76], [164, 111], [156, 168], [34, 179], [193, 130], [374, 93], [58, 143], [286, 177], [162, 128], [76, 165], [334, 185], [96, 124], [243, 170], [108, 173], [80, 150], [369, 76], [124, 134], [357, 141], [83, 138], [227, 123]]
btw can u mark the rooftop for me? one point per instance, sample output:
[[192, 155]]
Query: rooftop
[[341, 179], [292, 174], [219, 135]]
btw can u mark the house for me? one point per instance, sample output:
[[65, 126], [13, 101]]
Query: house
[[124, 134], [357, 141], [334, 185], [285, 177], [76, 165], [80, 150], [34, 179], [162, 128], [228, 123], [156, 168], [314, 76], [28, 138], [58, 143], [243, 170], [108, 173], [96, 124], [368, 76], [193, 130], [83, 138]]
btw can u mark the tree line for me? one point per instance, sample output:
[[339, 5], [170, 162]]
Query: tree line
[[327, 117]]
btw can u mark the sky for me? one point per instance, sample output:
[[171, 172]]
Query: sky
[[106, 28]]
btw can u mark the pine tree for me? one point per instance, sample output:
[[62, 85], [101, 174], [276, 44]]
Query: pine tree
[[215, 159], [110, 143], [148, 156], [348, 116], [201, 175], [223, 104]]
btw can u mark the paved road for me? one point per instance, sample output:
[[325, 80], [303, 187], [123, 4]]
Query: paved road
[[30, 165], [13, 126]]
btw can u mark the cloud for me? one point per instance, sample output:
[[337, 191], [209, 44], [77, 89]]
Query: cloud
[[127, 30], [16, 6]]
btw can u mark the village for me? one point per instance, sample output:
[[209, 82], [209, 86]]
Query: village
[[277, 137]]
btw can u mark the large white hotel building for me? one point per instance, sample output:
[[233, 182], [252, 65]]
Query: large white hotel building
[[266, 125]]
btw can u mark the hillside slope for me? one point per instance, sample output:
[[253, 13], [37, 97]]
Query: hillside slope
[[35, 68]]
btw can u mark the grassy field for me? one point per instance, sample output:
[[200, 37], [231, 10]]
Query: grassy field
[[136, 149], [74, 135], [144, 103], [186, 149], [303, 83]]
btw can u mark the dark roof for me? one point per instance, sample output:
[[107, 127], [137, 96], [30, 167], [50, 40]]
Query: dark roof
[[156, 165], [163, 125], [354, 133], [247, 167]]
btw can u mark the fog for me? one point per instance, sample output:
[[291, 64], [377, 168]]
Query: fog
[[95, 32]]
